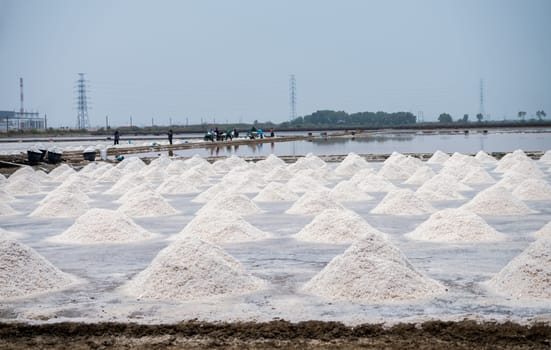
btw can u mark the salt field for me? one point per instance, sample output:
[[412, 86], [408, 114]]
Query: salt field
[[454, 237]]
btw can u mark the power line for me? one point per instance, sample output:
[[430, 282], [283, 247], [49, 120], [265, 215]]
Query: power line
[[82, 103]]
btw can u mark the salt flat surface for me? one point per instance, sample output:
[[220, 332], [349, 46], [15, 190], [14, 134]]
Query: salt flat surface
[[281, 263]]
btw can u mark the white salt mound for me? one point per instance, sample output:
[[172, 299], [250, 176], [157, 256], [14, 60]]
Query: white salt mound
[[511, 180], [103, 226], [63, 205], [375, 183], [545, 231], [348, 191], [126, 183], [372, 270], [533, 189], [6, 209], [219, 190], [393, 171], [351, 165], [135, 191], [224, 227], [528, 275], [301, 184], [191, 269], [176, 185], [546, 157], [233, 202], [337, 226], [24, 272], [497, 200], [441, 187], [527, 168], [478, 176], [362, 175], [22, 186], [275, 192], [24, 171], [455, 225], [147, 203], [438, 157], [313, 203], [420, 176], [485, 157], [403, 202]]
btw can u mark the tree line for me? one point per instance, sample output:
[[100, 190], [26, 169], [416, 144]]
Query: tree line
[[336, 118]]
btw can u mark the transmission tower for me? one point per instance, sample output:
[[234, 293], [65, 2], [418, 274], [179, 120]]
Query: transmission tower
[[292, 97], [481, 107], [82, 103]]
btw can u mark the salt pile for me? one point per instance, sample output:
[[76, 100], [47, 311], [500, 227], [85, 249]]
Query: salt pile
[[236, 203], [176, 167], [146, 203], [219, 190], [372, 270], [511, 159], [348, 191], [546, 157], [176, 185], [478, 176], [135, 191], [438, 157], [484, 157], [362, 175], [102, 226], [455, 225], [533, 189], [497, 200], [527, 168], [313, 203], [222, 227], [5, 196], [337, 226], [24, 272], [195, 177], [271, 162], [22, 186], [301, 184], [275, 192], [322, 175], [6, 209], [308, 162], [154, 172], [402, 202], [126, 183], [2, 179], [392, 171], [131, 165], [351, 165], [60, 173], [113, 174], [545, 231], [441, 187], [511, 180], [375, 183], [420, 176], [190, 269], [278, 174], [528, 275], [24, 172], [62, 205]]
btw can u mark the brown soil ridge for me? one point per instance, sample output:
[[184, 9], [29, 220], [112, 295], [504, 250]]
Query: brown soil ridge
[[278, 334]]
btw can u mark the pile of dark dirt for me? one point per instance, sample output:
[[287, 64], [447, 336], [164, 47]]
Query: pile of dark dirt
[[275, 335]]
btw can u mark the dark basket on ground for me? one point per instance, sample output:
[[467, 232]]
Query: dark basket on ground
[[54, 157], [34, 157], [91, 156], [44, 152]]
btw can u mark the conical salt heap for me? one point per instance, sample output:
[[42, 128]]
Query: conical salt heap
[[393, 171], [484, 157], [441, 187], [351, 165], [511, 180], [24, 272], [270, 163], [545, 231], [278, 174], [62, 205], [22, 186], [5, 196], [528, 275], [233, 202], [26, 172], [403, 202], [546, 157], [438, 157], [478, 176], [103, 226], [212, 192], [176, 167], [275, 192], [131, 165], [375, 183], [313, 203], [348, 191], [113, 174], [533, 189], [222, 227], [301, 184], [191, 269], [337, 226], [176, 185], [372, 270], [420, 176], [497, 200], [126, 183], [511, 159], [457, 226], [147, 203], [145, 187], [528, 168]]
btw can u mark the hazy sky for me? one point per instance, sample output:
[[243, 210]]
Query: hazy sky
[[231, 60]]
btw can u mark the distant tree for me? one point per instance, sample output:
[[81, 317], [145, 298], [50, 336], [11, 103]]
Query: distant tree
[[521, 115], [445, 118], [479, 116], [540, 114], [465, 118]]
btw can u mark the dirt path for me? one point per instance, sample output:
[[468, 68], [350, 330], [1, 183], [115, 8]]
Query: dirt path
[[275, 335]]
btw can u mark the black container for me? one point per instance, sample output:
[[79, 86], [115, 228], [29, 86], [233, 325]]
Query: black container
[[44, 152], [91, 156], [54, 157], [34, 157]]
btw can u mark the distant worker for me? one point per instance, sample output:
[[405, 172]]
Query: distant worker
[[170, 136], [260, 133], [235, 132], [272, 134], [117, 137]]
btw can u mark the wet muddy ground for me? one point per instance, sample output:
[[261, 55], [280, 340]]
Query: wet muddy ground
[[275, 335]]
